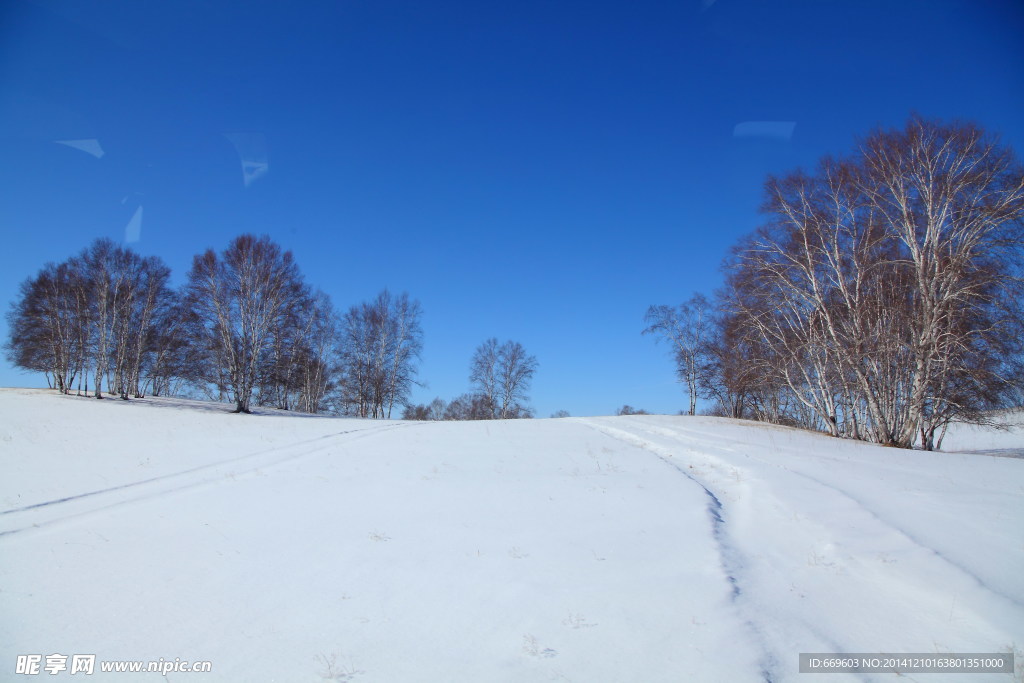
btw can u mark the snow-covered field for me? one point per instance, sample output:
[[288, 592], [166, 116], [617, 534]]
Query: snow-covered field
[[642, 548]]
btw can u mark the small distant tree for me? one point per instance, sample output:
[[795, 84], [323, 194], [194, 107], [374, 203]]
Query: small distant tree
[[468, 407], [381, 340], [685, 328], [416, 412], [501, 376], [560, 413], [458, 408], [630, 410], [435, 411]]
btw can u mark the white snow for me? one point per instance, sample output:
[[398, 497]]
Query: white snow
[[644, 548]]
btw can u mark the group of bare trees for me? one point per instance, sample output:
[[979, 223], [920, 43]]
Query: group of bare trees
[[245, 327], [500, 376], [259, 330], [880, 300], [92, 317]]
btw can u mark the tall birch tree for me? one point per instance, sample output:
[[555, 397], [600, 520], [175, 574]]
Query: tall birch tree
[[239, 297]]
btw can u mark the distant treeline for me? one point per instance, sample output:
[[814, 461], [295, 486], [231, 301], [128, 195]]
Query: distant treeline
[[245, 328], [881, 299]]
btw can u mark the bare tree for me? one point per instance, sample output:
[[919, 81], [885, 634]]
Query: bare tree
[[483, 375], [318, 371], [952, 198], [630, 410], [381, 341], [501, 377], [45, 326], [240, 297], [515, 372], [436, 409], [459, 408], [686, 328], [177, 355], [729, 377], [104, 281], [145, 293], [469, 407], [416, 412], [406, 347]]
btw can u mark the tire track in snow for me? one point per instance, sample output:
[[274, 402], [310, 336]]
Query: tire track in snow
[[854, 507], [730, 558], [38, 515], [862, 505], [912, 540]]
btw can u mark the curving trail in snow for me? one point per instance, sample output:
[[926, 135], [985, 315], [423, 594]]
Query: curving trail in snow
[[599, 549], [834, 546], [730, 557]]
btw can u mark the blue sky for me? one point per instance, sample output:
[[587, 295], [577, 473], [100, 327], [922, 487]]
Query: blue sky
[[536, 171]]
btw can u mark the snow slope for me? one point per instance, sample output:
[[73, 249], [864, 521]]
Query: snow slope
[[643, 548]]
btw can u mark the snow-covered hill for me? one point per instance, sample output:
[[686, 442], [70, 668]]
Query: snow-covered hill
[[643, 548]]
